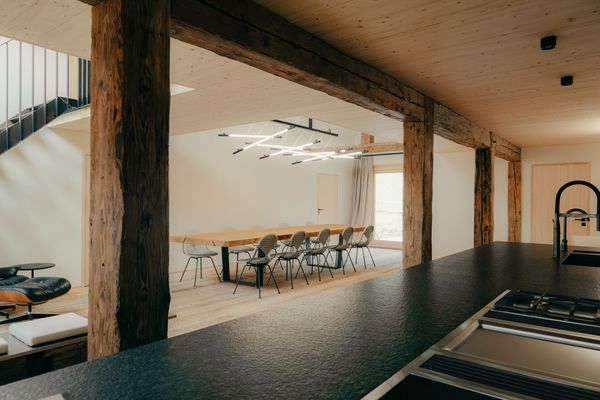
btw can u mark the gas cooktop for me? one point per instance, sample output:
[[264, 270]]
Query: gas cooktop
[[523, 345]]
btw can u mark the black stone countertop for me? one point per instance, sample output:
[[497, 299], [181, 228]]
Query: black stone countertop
[[339, 345]]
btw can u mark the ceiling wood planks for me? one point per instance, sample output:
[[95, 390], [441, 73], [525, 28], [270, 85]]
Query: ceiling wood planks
[[249, 33]]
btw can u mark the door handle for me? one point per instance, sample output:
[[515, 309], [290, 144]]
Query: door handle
[[320, 209]]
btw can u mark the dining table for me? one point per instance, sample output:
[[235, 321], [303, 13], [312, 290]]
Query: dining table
[[231, 238]]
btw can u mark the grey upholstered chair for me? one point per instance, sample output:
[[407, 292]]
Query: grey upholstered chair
[[261, 258], [363, 243], [237, 250], [294, 253], [345, 246], [319, 249], [198, 253]]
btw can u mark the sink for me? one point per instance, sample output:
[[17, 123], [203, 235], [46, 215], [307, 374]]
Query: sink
[[583, 258]]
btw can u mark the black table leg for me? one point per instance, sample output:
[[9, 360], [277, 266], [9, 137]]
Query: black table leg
[[260, 271], [308, 257], [225, 263], [340, 254]]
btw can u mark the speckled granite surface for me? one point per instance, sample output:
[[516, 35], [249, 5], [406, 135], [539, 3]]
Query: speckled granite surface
[[340, 345]]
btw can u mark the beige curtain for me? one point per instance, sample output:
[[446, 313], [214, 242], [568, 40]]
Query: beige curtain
[[363, 192]]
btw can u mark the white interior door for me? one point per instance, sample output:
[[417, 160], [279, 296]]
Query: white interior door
[[327, 199]]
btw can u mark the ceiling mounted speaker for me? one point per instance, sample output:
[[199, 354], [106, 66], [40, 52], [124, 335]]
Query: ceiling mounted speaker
[[548, 42], [566, 80]]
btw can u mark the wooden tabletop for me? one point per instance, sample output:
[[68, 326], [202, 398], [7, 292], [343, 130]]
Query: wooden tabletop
[[237, 238]]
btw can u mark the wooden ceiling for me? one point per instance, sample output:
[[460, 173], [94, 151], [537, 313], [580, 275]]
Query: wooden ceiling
[[479, 57], [227, 93]]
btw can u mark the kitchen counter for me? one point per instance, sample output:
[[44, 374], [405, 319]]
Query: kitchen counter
[[339, 345]]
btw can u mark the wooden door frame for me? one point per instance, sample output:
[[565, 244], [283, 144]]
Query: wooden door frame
[[85, 223], [385, 169]]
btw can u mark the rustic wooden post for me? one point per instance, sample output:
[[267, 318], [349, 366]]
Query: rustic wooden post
[[514, 201], [129, 288], [418, 188], [484, 196]]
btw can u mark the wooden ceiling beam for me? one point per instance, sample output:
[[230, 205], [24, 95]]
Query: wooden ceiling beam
[[247, 32], [505, 149], [385, 147], [453, 126]]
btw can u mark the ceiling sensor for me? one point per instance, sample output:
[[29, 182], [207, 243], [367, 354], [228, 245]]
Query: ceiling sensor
[[548, 42], [566, 80]]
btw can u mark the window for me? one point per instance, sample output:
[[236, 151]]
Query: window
[[388, 206]]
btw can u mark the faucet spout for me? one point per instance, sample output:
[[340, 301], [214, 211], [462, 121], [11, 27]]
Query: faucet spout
[[556, 242]]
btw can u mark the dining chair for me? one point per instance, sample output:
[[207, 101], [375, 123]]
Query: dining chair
[[363, 243], [198, 253], [345, 246], [295, 252], [261, 258], [237, 250], [318, 249]]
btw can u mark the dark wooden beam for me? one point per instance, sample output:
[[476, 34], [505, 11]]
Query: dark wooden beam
[[252, 34], [484, 197], [129, 254], [453, 126], [514, 201], [418, 188], [505, 149]]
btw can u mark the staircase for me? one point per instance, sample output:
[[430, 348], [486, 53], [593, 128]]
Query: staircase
[[36, 86]]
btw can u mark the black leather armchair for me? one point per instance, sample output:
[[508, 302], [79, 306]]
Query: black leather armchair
[[9, 277], [17, 289]]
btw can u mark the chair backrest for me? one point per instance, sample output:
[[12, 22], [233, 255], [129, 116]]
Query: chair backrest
[[297, 239], [191, 248], [368, 233], [267, 243], [347, 233], [324, 236]]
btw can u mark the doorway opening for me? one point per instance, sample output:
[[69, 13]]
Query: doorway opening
[[388, 206]]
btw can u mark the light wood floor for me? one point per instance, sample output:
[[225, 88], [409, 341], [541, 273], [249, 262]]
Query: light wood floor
[[211, 302]]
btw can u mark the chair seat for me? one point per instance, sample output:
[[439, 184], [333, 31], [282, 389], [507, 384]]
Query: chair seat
[[314, 251], [201, 254], [339, 247], [258, 261], [13, 280], [290, 255], [241, 249], [362, 243], [35, 290]]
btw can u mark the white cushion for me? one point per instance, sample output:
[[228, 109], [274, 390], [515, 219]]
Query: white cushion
[[3, 346], [49, 329]]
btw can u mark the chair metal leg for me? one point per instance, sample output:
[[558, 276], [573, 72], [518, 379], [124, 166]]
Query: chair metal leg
[[287, 266], [196, 273], [364, 259], [200, 267], [303, 273], [186, 265], [274, 280], [350, 258], [356, 256], [238, 280], [215, 267], [371, 255], [327, 264]]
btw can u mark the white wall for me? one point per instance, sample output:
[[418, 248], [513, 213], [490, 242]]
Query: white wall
[[213, 190], [555, 154], [41, 195], [453, 199]]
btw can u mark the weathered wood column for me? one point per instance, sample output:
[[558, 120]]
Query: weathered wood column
[[418, 188], [129, 288], [484, 197], [514, 201]]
